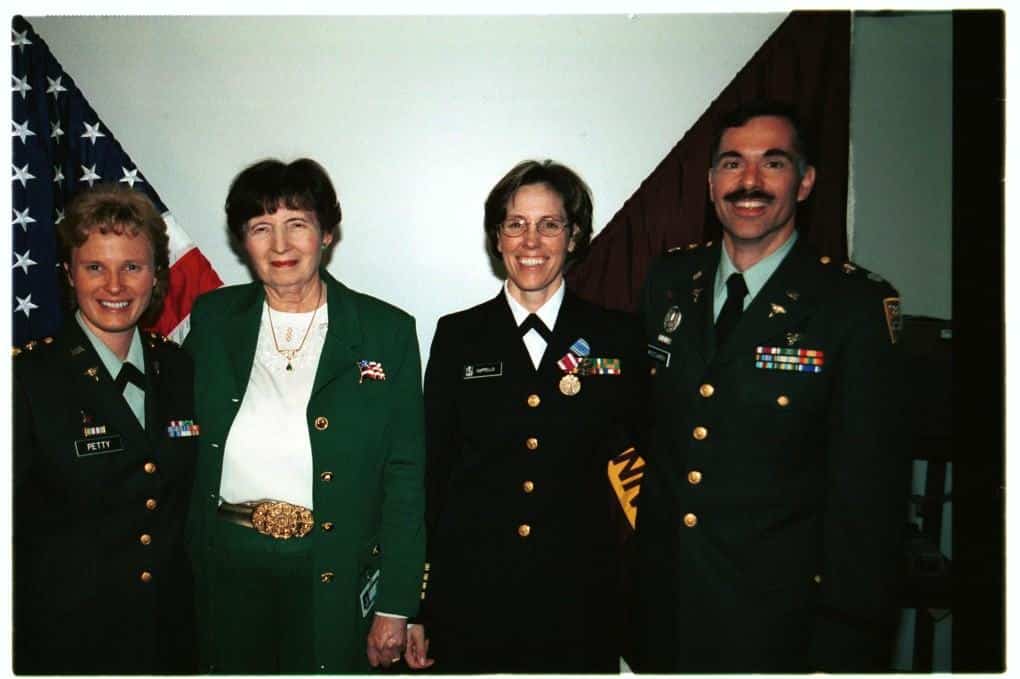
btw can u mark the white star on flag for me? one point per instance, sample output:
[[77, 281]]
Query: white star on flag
[[60, 216], [20, 40], [22, 219], [21, 131], [22, 174], [55, 131], [21, 85], [130, 177], [89, 174], [92, 132], [25, 304], [55, 88], [23, 261], [58, 174]]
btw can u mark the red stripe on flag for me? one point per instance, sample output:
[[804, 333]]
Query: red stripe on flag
[[190, 276]]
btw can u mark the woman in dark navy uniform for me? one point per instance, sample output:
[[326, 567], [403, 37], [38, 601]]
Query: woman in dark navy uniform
[[527, 398], [104, 451]]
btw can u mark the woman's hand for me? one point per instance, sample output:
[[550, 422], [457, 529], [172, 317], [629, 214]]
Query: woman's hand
[[417, 650], [386, 640]]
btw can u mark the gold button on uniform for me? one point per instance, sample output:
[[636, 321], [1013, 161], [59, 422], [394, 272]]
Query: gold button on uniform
[[150, 504], [524, 530], [825, 259], [149, 467], [327, 526], [534, 400], [817, 579], [528, 486], [700, 433], [327, 577], [783, 400], [146, 576], [321, 423], [690, 520], [326, 477], [531, 443], [694, 477], [706, 390], [652, 371], [145, 538]]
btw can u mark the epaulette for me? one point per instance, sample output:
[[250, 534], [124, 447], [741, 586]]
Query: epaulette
[[850, 269], [155, 339], [30, 345]]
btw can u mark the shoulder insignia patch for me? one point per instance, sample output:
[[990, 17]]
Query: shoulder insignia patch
[[893, 317]]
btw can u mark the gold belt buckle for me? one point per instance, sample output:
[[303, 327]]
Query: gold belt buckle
[[282, 520]]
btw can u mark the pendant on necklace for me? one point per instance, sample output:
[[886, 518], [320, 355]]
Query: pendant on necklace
[[289, 366]]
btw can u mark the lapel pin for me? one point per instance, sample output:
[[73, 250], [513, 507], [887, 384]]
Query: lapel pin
[[372, 370], [776, 310], [672, 320], [92, 372], [793, 295], [848, 267], [792, 338], [696, 293]]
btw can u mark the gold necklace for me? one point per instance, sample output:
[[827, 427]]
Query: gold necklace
[[289, 354]]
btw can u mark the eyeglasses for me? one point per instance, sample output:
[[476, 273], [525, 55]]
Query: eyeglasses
[[548, 227]]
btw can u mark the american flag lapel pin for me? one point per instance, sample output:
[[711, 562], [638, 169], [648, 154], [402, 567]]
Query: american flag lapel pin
[[371, 370]]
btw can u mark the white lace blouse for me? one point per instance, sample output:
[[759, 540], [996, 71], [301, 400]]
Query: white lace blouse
[[268, 454]]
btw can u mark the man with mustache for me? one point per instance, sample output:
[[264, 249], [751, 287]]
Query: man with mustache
[[771, 508]]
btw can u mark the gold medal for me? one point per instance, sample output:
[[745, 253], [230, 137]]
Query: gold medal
[[570, 385]]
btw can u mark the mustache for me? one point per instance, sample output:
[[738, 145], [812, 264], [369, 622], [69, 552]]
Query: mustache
[[745, 194]]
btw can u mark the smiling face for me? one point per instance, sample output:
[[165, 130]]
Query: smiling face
[[534, 263], [285, 248], [755, 184], [112, 276]]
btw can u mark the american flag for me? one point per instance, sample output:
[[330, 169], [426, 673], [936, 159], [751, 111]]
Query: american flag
[[59, 147], [373, 370]]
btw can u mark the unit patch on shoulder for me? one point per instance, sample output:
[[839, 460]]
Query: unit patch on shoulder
[[893, 317]]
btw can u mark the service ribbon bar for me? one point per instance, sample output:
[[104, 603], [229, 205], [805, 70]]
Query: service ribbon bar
[[178, 429], [599, 366], [787, 358]]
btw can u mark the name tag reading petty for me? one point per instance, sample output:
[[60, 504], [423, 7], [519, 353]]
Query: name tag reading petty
[[98, 445]]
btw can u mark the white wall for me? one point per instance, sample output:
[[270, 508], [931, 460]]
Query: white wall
[[414, 117], [902, 131]]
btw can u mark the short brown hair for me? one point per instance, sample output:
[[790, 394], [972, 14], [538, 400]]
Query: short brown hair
[[565, 182], [112, 208]]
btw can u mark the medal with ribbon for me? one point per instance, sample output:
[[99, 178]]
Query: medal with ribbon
[[570, 384]]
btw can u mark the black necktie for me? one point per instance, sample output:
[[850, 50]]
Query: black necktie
[[734, 306], [533, 322], [129, 373]]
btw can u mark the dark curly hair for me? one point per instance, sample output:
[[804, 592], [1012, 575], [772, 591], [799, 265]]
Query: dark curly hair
[[263, 187]]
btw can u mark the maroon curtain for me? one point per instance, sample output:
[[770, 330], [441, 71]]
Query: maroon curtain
[[806, 62]]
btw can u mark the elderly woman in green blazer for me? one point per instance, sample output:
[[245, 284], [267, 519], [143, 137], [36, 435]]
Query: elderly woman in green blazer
[[306, 523]]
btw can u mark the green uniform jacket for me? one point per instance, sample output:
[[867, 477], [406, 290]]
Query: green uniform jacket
[[773, 501], [102, 583], [367, 448]]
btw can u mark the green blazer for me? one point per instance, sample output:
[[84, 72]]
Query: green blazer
[[367, 449]]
